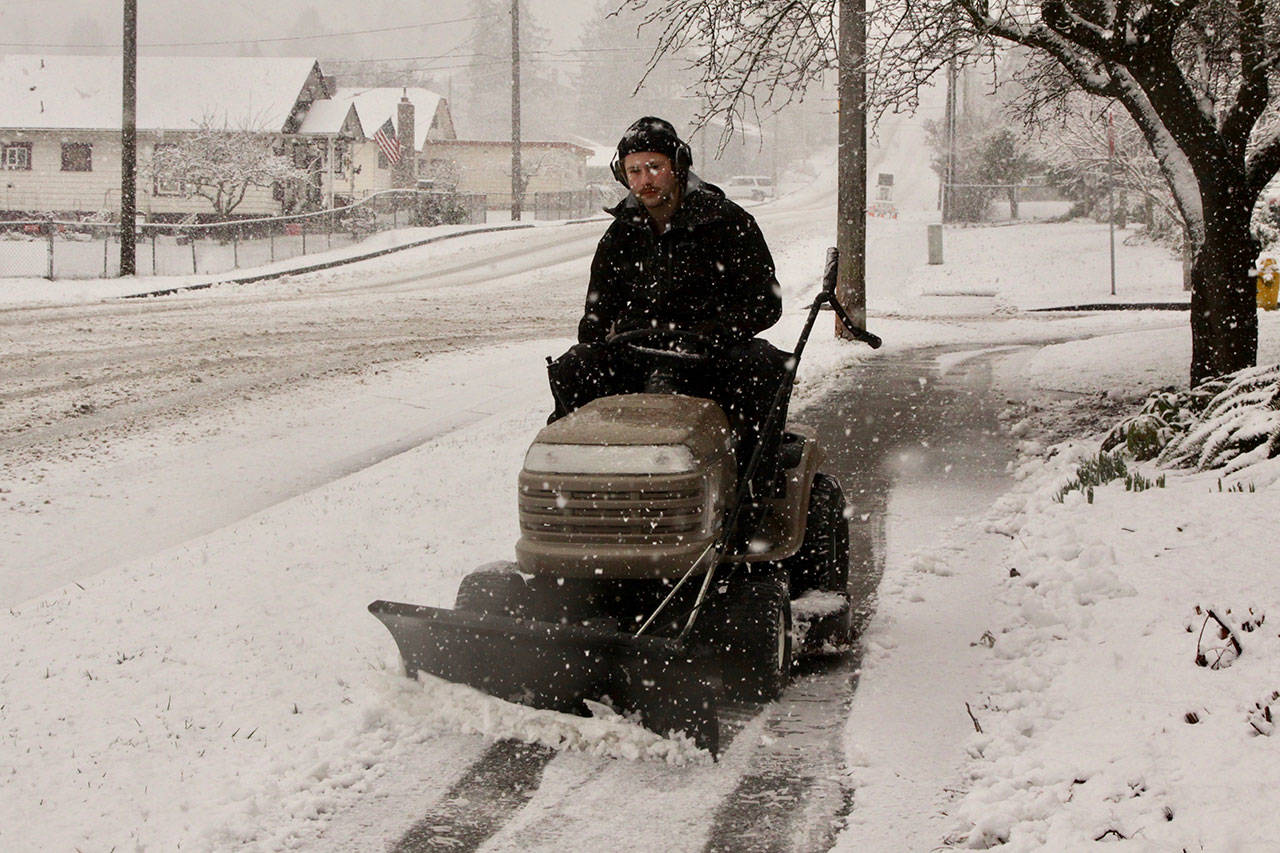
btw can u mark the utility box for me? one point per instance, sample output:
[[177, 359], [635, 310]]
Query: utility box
[[935, 244]]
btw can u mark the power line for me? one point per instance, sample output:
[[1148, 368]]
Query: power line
[[257, 41], [466, 60], [505, 57]]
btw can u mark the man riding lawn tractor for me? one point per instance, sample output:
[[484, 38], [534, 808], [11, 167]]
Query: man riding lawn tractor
[[671, 524], [679, 257]]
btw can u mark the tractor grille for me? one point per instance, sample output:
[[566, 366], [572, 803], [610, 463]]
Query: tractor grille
[[644, 511]]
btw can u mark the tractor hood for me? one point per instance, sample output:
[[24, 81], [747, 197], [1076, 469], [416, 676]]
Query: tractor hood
[[645, 419], [630, 486]]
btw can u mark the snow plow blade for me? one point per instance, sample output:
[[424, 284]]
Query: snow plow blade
[[554, 666]]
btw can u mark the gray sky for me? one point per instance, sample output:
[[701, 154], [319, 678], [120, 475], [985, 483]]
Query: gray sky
[[162, 24]]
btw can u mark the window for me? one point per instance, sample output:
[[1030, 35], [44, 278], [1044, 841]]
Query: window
[[77, 157], [169, 187], [383, 162], [16, 156]]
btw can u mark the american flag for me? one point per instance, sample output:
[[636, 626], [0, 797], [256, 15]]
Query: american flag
[[388, 142]]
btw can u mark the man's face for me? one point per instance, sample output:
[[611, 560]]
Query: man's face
[[652, 178]]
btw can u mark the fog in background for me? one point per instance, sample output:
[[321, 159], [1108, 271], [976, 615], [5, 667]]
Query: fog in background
[[579, 66]]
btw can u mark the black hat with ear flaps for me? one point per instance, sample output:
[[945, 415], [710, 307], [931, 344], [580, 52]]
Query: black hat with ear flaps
[[652, 134]]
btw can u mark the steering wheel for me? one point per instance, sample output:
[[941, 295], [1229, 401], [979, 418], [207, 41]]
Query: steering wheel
[[667, 343]]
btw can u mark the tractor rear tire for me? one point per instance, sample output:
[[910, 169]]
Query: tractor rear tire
[[496, 589], [823, 559], [757, 652]]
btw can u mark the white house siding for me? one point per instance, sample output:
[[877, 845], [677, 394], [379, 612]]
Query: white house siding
[[369, 179], [46, 100], [45, 188]]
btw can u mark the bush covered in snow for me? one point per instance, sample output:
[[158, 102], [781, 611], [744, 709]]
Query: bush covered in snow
[[1266, 220], [1227, 423]]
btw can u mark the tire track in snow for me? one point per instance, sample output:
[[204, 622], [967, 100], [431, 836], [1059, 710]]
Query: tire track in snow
[[794, 797], [501, 781]]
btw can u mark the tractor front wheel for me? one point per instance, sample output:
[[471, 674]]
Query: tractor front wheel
[[757, 655], [496, 589]]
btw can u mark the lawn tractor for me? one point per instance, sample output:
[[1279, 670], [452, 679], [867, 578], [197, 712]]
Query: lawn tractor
[[635, 583]]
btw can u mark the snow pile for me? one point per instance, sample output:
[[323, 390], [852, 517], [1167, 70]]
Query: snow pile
[[810, 607], [1111, 704], [276, 812], [453, 707]]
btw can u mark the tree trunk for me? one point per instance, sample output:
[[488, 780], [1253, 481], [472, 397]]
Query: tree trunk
[[1224, 319]]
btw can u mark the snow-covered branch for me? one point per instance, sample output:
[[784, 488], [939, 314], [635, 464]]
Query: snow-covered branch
[[1264, 160]]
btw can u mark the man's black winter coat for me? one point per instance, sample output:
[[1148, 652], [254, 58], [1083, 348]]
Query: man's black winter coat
[[710, 272]]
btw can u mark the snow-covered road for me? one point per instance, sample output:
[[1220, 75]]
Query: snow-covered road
[[209, 380]]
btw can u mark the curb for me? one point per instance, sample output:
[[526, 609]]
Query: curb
[[1121, 306], [169, 291]]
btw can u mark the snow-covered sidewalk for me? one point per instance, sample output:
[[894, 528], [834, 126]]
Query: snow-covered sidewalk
[[1032, 680]]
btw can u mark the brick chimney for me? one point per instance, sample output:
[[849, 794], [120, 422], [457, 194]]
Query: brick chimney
[[404, 174]]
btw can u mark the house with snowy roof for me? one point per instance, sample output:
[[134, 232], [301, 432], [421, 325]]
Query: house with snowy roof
[[60, 119], [371, 167], [422, 119]]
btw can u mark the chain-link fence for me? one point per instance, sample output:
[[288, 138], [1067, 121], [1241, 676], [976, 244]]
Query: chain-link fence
[[90, 248], [1002, 202], [567, 204]]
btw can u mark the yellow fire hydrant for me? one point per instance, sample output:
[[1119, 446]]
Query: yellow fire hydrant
[[1268, 284]]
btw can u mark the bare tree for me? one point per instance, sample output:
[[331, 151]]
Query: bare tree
[[1078, 153], [750, 55], [1194, 75], [219, 164]]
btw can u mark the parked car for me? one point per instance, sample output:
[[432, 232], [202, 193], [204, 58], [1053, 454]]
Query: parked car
[[750, 187]]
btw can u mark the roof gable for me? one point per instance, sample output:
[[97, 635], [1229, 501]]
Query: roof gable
[[376, 105], [330, 117]]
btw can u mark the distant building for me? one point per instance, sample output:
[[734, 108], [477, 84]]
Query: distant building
[[484, 166], [369, 170], [60, 136], [60, 127]]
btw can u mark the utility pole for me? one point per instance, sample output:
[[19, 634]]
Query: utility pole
[[517, 178], [949, 173], [129, 140], [851, 207]]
